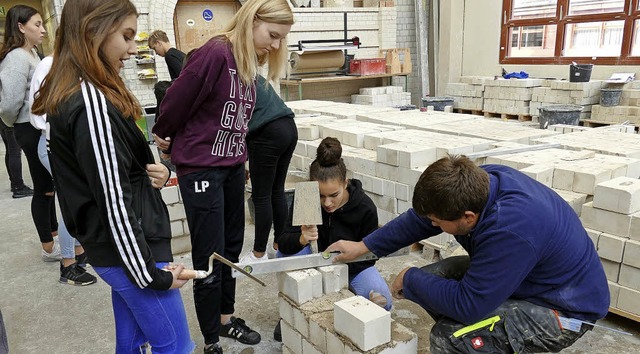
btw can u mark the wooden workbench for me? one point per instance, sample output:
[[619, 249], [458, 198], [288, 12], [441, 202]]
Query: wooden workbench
[[299, 82]]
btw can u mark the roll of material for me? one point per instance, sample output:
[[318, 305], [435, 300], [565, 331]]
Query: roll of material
[[330, 60]]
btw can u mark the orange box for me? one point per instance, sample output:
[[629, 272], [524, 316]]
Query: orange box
[[368, 66]]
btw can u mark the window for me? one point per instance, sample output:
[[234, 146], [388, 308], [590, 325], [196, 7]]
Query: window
[[565, 31]]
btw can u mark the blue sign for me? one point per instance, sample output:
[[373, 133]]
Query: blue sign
[[207, 15]]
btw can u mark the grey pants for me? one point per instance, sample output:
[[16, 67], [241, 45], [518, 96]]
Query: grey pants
[[516, 326]]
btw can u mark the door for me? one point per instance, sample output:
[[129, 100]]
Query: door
[[196, 22]]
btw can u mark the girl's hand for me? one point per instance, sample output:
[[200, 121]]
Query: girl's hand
[[309, 233], [158, 174]]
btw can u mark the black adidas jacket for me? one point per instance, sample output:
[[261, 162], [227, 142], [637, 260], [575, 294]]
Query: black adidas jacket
[[98, 160], [355, 220]]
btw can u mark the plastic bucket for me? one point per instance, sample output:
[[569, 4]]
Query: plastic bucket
[[438, 103], [559, 114], [610, 97], [580, 72]]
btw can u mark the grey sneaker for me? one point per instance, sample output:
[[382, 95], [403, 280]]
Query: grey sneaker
[[214, 348], [54, 256]]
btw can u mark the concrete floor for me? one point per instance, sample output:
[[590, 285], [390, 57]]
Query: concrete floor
[[44, 316]]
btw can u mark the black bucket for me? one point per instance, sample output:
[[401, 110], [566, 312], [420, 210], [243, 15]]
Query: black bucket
[[559, 114], [438, 103], [580, 72], [610, 97]]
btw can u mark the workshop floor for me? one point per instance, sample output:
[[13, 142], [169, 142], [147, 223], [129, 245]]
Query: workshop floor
[[44, 316]]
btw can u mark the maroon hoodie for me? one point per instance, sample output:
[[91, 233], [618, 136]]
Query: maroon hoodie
[[206, 111]]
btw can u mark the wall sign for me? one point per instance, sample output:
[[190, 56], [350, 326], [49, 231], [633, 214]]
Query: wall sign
[[207, 15]]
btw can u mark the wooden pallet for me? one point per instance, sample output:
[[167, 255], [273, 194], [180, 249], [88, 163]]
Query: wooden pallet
[[505, 116], [629, 315], [468, 111], [591, 123]]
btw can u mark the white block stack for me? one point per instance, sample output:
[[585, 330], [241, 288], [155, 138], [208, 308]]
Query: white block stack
[[384, 96], [613, 223], [468, 93], [511, 97], [585, 94]]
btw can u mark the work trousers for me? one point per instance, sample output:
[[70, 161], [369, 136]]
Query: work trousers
[[12, 157], [214, 203], [43, 207], [270, 151], [516, 326], [142, 316]]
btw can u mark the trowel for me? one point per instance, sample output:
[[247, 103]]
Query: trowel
[[306, 207]]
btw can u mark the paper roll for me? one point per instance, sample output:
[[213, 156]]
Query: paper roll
[[331, 60]]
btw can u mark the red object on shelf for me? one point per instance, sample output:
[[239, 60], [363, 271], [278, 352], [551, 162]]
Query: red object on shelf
[[173, 181], [368, 66]]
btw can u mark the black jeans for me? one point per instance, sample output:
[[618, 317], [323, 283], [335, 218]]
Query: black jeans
[[42, 205], [516, 326], [270, 151], [12, 157], [214, 204]]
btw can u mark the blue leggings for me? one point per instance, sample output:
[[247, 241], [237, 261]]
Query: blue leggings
[[360, 284], [145, 316]]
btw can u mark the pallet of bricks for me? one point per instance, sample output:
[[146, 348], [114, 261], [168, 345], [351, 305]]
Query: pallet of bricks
[[385, 96], [468, 94], [509, 98], [627, 110], [585, 94]]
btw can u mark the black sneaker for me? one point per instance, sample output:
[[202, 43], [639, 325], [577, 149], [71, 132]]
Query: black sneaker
[[82, 259], [277, 332], [215, 349], [76, 275], [22, 192], [238, 330]]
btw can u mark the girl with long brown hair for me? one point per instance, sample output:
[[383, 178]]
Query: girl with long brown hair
[[106, 175]]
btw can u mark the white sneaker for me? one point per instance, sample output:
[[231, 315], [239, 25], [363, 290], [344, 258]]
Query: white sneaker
[[251, 258], [54, 256]]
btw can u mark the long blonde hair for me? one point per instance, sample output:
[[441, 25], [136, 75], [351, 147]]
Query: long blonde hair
[[239, 31], [84, 27]]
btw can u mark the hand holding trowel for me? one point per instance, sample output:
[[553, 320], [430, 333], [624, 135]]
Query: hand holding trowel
[[306, 211]]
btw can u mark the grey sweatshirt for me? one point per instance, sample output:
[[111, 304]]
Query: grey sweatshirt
[[16, 71]]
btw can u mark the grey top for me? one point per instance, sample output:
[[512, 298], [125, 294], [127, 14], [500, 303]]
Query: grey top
[[16, 71]]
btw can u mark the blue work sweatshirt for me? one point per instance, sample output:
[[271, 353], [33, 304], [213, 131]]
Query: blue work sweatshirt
[[528, 244]]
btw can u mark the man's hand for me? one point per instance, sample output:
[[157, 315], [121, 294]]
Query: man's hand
[[158, 174], [349, 250], [396, 286], [163, 144]]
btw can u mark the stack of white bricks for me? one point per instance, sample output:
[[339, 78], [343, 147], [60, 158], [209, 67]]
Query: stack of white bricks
[[384, 96], [335, 109], [585, 94], [180, 239], [468, 94], [510, 96], [627, 110], [319, 315], [613, 223]]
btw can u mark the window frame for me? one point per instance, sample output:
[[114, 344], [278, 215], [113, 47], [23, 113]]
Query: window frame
[[630, 15]]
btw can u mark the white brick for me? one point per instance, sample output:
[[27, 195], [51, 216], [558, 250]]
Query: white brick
[[334, 278], [614, 291], [334, 343], [541, 173], [611, 269], [631, 254], [300, 322], [634, 230], [176, 212], [621, 195], [604, 220], [594, 235], [170, 195], [318, 329], [291, 338], [611, 247], [176, 228], [366, 324], [308, 348], [286, 310], [403, 192], [629, 277], [300, 286], [563, 179], [629, 300]]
